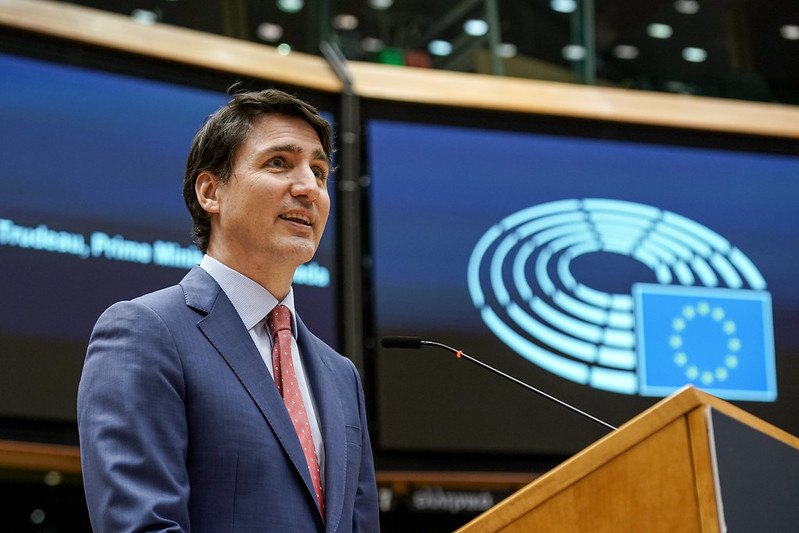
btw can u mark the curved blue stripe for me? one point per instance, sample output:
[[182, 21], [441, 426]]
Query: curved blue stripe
[[672, 245], [622, 302], [587, 313], [714, 239], [530, 228], [619, 233], [550, 234], [519, 274], [550, 337], [748, 269], [623, 249], [661, 253], [536, 211], [663, 274], [727, 271], [577, 328], [619, 338], [541, 273], [616, 357], [614, 380], [704, 272], [560, 366], [684, 273], [495, 270], [678, 235], [646, 257], [473, 268], [625, 219], [584, 248], [604, 204], [566, 242], [564, 274], [593, 296], [621, 320]]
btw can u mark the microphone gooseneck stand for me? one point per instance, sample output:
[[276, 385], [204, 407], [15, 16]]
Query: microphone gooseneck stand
[[416, 343]]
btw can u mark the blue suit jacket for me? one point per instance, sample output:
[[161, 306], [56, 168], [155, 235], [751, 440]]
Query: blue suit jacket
[[182, 428]]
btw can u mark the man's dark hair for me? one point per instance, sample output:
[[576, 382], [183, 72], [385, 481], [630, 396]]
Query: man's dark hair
[[215, 145]]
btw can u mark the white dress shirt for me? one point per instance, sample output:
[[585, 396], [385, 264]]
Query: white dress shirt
[[253, 302]]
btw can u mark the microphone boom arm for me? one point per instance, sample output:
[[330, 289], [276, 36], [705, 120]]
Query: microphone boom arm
[[460, 355]]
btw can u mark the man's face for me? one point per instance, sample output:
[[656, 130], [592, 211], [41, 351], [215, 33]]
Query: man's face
[[273, 209]]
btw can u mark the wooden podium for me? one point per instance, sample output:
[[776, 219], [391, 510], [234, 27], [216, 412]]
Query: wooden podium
[[691, 463]]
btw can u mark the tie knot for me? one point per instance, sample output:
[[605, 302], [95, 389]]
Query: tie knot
[[278, 319]]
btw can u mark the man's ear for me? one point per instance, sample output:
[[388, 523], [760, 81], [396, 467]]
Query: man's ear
[[206, 187]]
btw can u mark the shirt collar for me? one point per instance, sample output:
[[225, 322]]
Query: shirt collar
[[250, 299]]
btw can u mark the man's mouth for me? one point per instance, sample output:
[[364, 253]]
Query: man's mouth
[[298, 218]]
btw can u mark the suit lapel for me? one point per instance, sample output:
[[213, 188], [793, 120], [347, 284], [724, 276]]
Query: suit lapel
[[223, 328], [329, 409]]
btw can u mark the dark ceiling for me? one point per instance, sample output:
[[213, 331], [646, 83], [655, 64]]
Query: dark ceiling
[[751, 48]]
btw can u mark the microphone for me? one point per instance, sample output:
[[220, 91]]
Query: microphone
[[416, 343], [413, 343]]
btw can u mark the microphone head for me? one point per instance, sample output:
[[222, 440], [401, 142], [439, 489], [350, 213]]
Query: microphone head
[[413, 343]]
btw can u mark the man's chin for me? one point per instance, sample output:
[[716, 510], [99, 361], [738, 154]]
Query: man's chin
[[299, 252]]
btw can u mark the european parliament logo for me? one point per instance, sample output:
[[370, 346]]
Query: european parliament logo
[[707, 320], [721, 340]]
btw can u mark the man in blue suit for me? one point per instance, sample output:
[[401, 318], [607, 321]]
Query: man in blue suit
[[182, 427]]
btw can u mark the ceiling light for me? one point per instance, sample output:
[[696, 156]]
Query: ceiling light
[[694, 55], [475, 27], [345, 22], [790, 32], [507, 50], [679, 87], [686, 7], [372, 44], [659, 31], [37, 516], [381, 4], [440, 48], [574, 52], [144, 16], [290, 6], [563, 6], [53, 478], [267, 31], [626, 51]]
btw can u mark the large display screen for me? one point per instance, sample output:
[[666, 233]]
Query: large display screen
[[92, 213], [608, 272]]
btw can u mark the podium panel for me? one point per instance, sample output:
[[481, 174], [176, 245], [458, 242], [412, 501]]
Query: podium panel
[[671, 469], [626, 491], [758, 477]]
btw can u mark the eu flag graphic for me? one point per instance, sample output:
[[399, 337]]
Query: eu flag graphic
[[720, 340]]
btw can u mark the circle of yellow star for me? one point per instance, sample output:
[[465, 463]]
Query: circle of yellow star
[[682, 359]]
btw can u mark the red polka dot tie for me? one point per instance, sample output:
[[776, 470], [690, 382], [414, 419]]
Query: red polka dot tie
[[279, 323]]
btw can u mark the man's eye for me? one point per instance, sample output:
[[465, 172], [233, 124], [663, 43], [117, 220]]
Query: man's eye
[[320, 173], [276, 162]]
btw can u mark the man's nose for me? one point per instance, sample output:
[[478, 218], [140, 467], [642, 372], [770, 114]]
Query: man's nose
[[305, 183]]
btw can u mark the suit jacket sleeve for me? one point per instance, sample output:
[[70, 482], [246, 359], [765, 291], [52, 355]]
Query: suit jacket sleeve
[[366, 511], [132, 424]]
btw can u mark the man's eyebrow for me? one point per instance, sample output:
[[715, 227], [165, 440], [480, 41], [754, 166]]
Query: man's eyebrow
[[321, 156], [318, 155]]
